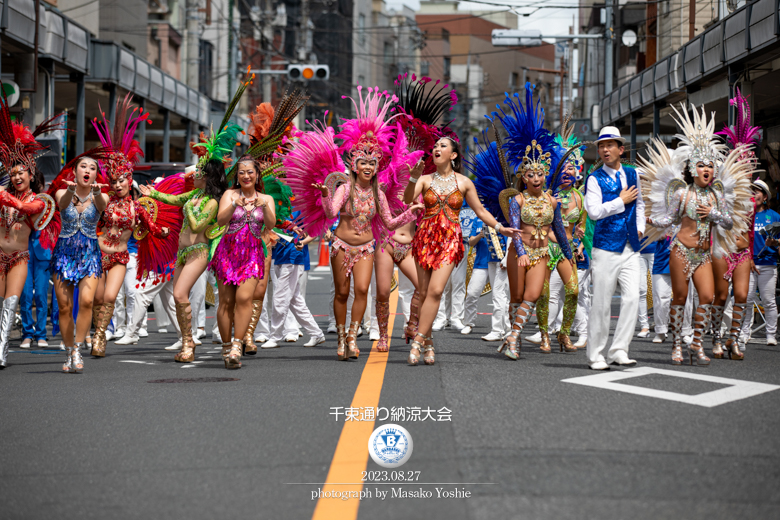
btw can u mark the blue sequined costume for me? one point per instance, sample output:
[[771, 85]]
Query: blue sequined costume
[[77, 254]]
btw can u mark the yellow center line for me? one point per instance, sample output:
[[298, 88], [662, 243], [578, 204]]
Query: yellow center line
[[351, 456]]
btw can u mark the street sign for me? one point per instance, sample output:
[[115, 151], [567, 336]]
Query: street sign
[[11, 92]]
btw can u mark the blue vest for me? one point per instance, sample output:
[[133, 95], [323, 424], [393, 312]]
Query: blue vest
[[612, 233]]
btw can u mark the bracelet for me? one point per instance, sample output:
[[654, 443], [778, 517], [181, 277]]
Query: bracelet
[[233, 203], [72, 189], [498, 227], [413, 180]]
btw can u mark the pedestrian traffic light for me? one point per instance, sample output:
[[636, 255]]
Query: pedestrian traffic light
[[308, 72]]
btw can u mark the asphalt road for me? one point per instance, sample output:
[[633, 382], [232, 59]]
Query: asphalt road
[[135, 437]]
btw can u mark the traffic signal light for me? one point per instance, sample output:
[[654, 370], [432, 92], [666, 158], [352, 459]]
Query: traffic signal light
[[308, 72]]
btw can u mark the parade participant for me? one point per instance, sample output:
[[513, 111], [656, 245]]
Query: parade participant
[[733, 269], [422, 105], [122, 215], [364, 210], [36, 289], [76, 259], [532, 155], [451, 308], [239, 259], [269, 135], [438, 243], [613, 201], [707, 195], [662, 289], [574, 219], [23, 210], [764, 275]]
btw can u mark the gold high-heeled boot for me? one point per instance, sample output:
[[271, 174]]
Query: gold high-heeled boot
[[249, 338], [184, 317], [341, 350], [105, 313], [352, 350]]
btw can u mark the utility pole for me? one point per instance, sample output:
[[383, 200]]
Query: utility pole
[[268, 37], [192, 44], [609, 49], [231, 55], [691, 18]]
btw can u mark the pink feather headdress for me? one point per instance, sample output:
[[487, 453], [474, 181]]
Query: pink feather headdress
[[741, 132], [123, 151], [368, 135]]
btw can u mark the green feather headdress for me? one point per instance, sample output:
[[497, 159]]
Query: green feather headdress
[[219, 145]]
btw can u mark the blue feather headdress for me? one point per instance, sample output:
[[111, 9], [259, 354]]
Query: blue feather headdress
[[490, 172], [528, 143]]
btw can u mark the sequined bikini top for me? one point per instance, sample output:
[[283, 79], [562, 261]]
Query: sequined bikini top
[[197, 211], [443, 195], [241, 217], [537, 212], [118, 214], [86, 221], [361, 208], [699, 196]]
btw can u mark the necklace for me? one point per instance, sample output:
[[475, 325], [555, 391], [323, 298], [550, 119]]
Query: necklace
[[535, 207], [444, 184], [80, 200]]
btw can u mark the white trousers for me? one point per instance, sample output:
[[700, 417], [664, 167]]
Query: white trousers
[[645, 266], [125, 300], [499, 282], [609, 270], [161, 318], [144, 295], [287, 297], [454, 295], [264, 323], [766, 282], [662, 301]]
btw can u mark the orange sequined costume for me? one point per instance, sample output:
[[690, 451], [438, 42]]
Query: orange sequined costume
[[439, 240]]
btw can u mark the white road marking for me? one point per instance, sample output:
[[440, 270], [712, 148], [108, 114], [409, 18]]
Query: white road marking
[[137, 362], [736, 390]]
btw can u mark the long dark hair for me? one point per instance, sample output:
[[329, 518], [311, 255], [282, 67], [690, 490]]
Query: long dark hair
[[259, 184], [214, 175], [458, 164]]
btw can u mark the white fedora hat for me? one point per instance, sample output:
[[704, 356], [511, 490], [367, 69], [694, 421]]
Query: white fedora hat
[[610, 133]]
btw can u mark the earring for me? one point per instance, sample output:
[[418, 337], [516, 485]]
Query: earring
[[452, 163]]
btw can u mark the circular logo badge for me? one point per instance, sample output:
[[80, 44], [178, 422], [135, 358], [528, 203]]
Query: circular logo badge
[[390, 445]]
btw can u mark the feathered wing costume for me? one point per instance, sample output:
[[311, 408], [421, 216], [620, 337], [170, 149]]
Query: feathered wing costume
[[18, 147], [666, 192]]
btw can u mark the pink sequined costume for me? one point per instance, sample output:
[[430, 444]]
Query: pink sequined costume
[[240, 254]]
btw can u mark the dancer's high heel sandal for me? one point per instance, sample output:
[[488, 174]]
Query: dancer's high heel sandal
[[187, 352], [249, 338], [717, 340], [544, 346], [67, 367], [411, 326], [511, 349], [352, 351], [233, 359], [429, 353], [77, 362], [564, 341], [732, 344], [226, 351], [414, 352], [675, 326], [695, 349], [341, 350], [382, 317]]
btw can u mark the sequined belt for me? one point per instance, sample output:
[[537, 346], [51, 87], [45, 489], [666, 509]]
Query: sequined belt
[[692, 258], [352, 254], [194, 250], [536, 254], [10, 260], [400, 251]]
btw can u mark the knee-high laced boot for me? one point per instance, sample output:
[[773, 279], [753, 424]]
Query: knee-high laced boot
[[414, 316], [572, 289], [184, 317], [717, 341], [695, 349], [512, 343], [542, 315], [676, 313], [382, 317], [104, 314], [249, 338], [732, 344], [7, 312]]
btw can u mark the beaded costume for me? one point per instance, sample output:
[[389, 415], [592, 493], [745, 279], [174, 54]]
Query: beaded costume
[[669, 200], [77, 253]]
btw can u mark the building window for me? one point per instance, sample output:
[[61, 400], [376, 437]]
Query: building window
[[424, 68], [514, 81], [361, 80], [445, 34], [447, 62], [206, 68], [362, 29], [388, 53]]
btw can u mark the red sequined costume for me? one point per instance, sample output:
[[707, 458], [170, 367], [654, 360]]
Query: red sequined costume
[[120, 215], [439, 239], [21, 210]]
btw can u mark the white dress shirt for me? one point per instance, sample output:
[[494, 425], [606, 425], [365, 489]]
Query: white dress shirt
[[598, 209]]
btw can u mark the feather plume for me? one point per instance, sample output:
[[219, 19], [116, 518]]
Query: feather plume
[[657, 173], [490, 176]]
